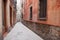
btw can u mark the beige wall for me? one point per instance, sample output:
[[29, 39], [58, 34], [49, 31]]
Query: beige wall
[[0, 16], [8, 13]]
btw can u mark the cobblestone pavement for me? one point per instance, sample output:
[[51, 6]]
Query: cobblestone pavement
[[21, 32]]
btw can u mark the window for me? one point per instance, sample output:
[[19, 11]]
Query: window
[[31, 13], [42, 9]]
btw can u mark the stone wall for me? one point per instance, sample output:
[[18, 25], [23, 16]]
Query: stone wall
[[47, 32]]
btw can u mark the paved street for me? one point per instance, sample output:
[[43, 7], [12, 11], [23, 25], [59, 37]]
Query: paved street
[[21, 32]]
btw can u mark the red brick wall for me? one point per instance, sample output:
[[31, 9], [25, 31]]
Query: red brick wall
[[53, 12]]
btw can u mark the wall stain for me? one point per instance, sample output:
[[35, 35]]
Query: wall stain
[[57, 4]]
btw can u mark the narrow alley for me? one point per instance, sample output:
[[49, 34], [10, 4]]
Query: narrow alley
[[29, 19], [21, 32]]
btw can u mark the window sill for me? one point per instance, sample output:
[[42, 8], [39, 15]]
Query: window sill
[[42, 19]]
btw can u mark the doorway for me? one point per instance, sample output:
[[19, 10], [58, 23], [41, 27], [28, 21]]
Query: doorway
[[10, 16]]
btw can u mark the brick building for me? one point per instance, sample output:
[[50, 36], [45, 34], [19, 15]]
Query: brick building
[[7, 14], [43, 17]]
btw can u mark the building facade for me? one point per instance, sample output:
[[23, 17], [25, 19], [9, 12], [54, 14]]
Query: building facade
[[43, 17], [7, 15], [0, 19]]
